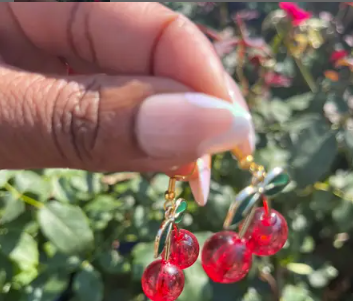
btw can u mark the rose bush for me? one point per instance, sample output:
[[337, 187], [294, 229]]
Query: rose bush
[[70, 235]]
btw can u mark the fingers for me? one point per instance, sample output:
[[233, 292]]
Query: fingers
[[130, 38], [126, 38], [108, 123]]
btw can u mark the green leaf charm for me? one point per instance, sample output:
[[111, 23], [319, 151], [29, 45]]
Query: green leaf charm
[[162, 237], [244, 201], [276, 180], [181, 206]]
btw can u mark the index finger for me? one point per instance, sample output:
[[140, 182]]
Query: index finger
[[127, 38]]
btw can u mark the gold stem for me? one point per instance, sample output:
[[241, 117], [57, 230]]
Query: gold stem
[[247, 222], [168, 245]]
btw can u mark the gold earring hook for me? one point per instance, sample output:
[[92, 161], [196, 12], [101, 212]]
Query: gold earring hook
[[185, 177], [170, 193]]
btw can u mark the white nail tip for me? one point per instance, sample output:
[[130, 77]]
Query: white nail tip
[[210, 102], [200, 187]]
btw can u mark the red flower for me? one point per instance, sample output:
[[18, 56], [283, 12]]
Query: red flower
[[338, 55], [274, 79], [297, 14], [256, 60]]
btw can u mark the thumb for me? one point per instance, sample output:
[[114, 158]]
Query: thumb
[[111, 123]]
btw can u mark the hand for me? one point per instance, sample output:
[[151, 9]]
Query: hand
[[133, 108]]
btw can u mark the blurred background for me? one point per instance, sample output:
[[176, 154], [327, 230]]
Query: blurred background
[[68, 235]]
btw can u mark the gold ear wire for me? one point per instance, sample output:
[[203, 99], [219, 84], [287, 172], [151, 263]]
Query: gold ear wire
[[186, 177], [170, 193]]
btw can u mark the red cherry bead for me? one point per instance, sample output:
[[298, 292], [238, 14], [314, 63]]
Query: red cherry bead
[[184, 249], [267, 233], [162, 281], [226, 258]]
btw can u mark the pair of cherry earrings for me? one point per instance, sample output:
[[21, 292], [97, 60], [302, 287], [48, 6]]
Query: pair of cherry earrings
[[227, 255]]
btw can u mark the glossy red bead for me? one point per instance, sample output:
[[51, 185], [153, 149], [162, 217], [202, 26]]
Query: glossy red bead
[[267, 233], [162, 281], [225, 257], [184, 249]]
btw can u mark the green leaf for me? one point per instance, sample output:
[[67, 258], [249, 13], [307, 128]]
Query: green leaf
[[87, 182], [301, 122], [296, 293], [20, 247], [63, 191], [280, 111], [88, 285], [181, 207], [142, 255], [25, 277], [112, 263], [5, 176], [313, 153], [6, 270], [275, 181], [300, 102], [67, 227], [272, 156], [47, 287], [242, 205], [31, 182], [300, 268], [197, 286], [14, 208], [162, 237]]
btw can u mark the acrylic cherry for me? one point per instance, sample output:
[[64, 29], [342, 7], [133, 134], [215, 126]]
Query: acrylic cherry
[[226, 258], [267, 233], [162, 281], [184, 249]]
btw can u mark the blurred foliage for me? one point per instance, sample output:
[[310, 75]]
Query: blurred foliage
[[68, 235]]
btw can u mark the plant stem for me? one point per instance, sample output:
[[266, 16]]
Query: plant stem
[[303, 70], [306, 74], [22, 197]]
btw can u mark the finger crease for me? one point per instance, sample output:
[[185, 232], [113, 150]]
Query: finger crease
[[89, 37], [70, 28], [54, 127], [156, 42]]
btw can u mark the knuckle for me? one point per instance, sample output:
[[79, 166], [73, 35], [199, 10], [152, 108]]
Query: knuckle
[[75, 119]]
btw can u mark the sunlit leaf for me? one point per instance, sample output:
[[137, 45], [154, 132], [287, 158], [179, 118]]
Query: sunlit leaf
[[67, 227]]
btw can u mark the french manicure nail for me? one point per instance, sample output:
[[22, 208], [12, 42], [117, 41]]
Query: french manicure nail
[[239, 130], [190, 125], [200, 186]]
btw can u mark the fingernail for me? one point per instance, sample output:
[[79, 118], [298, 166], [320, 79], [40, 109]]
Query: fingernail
[[200, 186], [190, 125], [234, 92], [239, 130]]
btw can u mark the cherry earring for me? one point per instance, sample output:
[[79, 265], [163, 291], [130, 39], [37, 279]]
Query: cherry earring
[[227, 256], [163, 279]]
